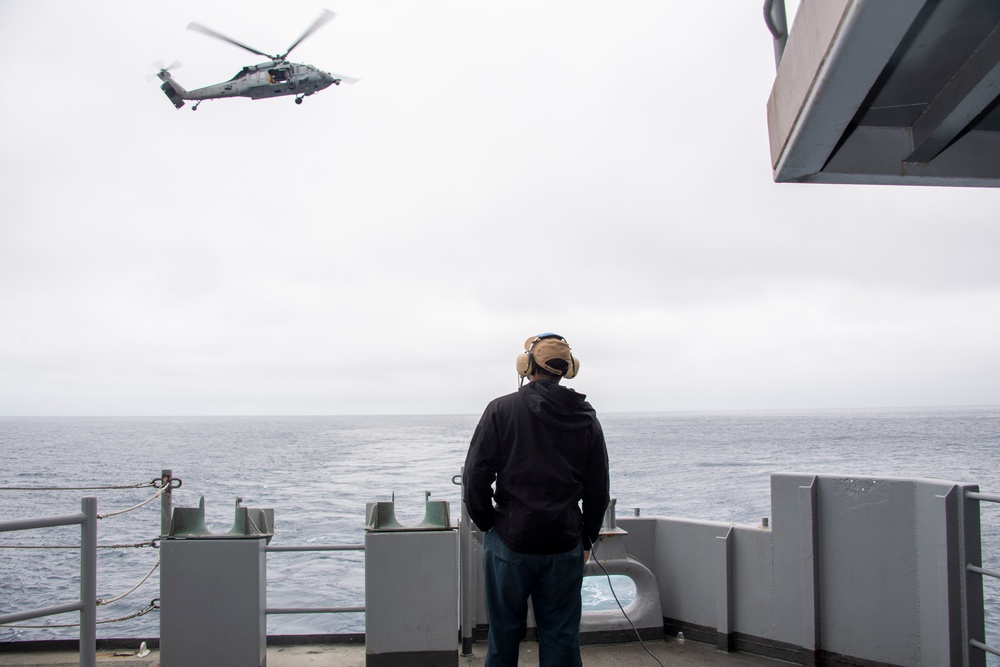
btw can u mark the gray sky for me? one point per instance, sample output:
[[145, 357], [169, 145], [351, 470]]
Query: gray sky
[[592, 168]]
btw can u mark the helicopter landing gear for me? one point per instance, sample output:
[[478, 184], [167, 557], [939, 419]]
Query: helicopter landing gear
[[195, 107], [298, 99]]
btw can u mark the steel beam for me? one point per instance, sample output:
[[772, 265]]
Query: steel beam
[[834, 55], [973, 88]]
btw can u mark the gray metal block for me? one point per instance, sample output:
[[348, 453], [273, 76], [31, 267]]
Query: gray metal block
[[213, 603], [411, 598]]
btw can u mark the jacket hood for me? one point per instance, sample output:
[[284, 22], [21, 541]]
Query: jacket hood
[[558, 406]]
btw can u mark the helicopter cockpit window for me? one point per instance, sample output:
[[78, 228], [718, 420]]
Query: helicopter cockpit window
[[278, 74]]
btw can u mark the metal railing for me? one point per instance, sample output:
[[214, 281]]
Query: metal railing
[[315, 610], [977, 569], [166, 509], [87, 604]]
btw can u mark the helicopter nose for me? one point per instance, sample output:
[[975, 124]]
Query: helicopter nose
[[329, 79]]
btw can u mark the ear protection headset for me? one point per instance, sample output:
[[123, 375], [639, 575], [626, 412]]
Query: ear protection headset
[[525, 361]]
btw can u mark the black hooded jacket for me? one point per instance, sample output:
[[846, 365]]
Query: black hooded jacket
[[544, 448]]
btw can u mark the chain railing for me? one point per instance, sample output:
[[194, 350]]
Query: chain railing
[[87, 603], [164, 485], [87, 519]]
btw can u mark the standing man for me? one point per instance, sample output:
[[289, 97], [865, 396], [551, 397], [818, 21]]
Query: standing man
[[544, 448]]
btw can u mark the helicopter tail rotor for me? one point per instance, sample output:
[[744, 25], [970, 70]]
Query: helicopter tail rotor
[[163, 71], [173, 90]]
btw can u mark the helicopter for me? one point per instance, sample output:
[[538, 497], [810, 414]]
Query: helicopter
[[276, 78]]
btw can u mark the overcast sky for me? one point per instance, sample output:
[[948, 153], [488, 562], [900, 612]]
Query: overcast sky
[[596, 169]]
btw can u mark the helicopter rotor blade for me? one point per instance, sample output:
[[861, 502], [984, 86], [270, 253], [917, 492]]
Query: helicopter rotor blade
[[197, 27], [316, 25], [160, 67]]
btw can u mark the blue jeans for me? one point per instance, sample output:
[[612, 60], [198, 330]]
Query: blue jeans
[[553, 582]]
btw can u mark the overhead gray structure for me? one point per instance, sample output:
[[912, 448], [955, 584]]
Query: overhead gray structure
[[898, 92]]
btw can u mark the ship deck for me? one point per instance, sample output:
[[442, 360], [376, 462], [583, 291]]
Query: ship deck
[[677, 653]]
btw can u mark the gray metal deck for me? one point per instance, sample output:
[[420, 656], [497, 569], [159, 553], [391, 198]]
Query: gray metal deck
[[676, 653]]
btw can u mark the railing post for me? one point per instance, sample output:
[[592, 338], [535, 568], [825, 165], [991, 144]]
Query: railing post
[[166, 501], [88, 583], [465, 570], [970, 550]]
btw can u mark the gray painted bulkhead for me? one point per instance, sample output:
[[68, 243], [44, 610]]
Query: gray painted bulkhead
[[852, 571]]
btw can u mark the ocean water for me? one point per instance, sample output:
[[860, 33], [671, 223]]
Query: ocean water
[[319, 472]]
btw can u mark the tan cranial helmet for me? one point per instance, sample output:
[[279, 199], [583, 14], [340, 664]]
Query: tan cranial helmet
[[549, 352]]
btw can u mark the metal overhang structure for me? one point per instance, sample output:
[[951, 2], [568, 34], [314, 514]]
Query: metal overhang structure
[[899, 92]]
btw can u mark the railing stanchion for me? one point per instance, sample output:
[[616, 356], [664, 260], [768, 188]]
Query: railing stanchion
[[88, 583], [166, 501]]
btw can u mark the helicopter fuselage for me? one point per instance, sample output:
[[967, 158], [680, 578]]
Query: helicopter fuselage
[[267, 80]]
